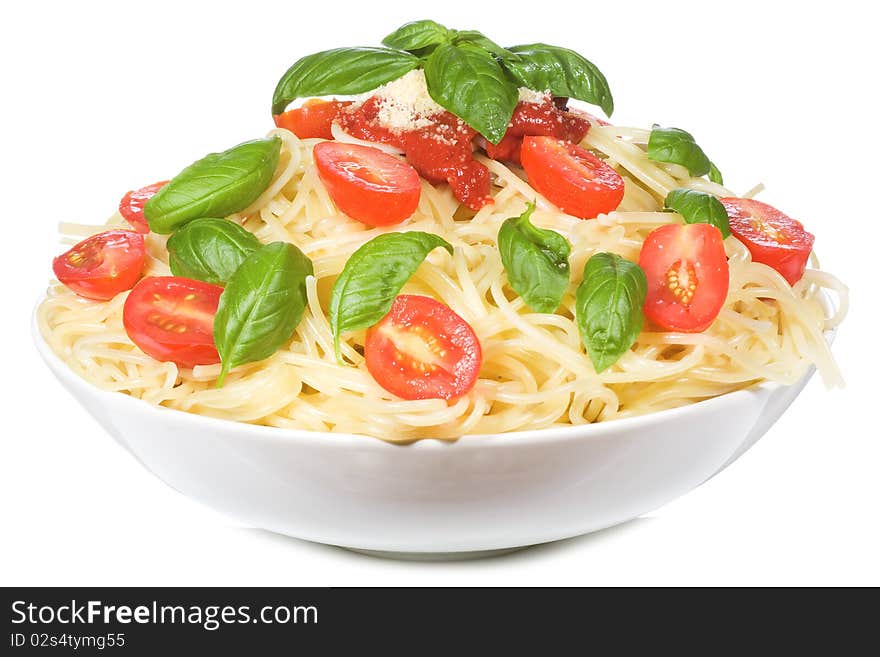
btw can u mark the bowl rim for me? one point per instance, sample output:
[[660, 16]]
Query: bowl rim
[[575, 432]]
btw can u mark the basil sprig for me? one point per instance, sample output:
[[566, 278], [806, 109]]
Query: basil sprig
[[608, 307], [373, 276], [478, 38], [215, 186], [262, 305], [698, 208], [562, 71], [416, 36], [341, 71], [677, 146], [536, 261], [715, 174], [467, 73], [210, 250], [469, 82], [422, 37]]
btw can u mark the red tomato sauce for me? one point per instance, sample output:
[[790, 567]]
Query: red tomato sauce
[[440, 152], [536, 120], [444, 150]]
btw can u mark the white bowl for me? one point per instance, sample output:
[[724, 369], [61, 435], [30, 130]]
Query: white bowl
[[431, 498]]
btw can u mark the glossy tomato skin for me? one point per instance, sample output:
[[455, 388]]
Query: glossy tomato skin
[[772, 237], [171, 318], [432, 331], [103, 265], [571, 177], [688, 276], [312, 119], [131, 207], [368, 184]]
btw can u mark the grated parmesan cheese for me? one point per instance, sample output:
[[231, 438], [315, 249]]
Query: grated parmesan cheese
[[533, 97], [404, 103]]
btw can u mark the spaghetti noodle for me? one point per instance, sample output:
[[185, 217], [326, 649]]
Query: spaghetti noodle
[[535, 372]]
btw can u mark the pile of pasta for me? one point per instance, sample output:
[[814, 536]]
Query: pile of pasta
[[535, 373]]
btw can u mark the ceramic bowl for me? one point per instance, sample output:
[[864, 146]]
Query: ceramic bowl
[[432, 498]]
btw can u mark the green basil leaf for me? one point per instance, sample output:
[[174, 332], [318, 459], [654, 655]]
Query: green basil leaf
[[536, 261], [608, 307], [341, 71], [699, 208], [262, 305], [468, 82], [417, 35], [215, 186], [210, 249], [478, 38], [715, 174], [564, 72], [677, 147], [373, 277]]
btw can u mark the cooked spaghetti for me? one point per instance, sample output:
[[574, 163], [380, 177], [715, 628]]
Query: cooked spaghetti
[[534, 373]]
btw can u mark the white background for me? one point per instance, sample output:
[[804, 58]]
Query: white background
[[98, 99]]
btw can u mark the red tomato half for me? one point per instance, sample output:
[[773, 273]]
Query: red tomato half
[[131, 207], [368, 184], [687, 274], [171, 318], [422, 350], [103, 265], [773, 238], [313, 119], [571, 177]]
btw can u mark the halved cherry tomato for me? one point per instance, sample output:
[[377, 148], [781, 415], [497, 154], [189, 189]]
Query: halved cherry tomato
[[367, 184], [171, 318], [687, 274], [772, 237], [312, 119], [131, 207], [422, 350], [571, 177], [103, 265]]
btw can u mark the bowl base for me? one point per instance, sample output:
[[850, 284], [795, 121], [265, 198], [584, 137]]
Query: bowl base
[[437, 556]]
